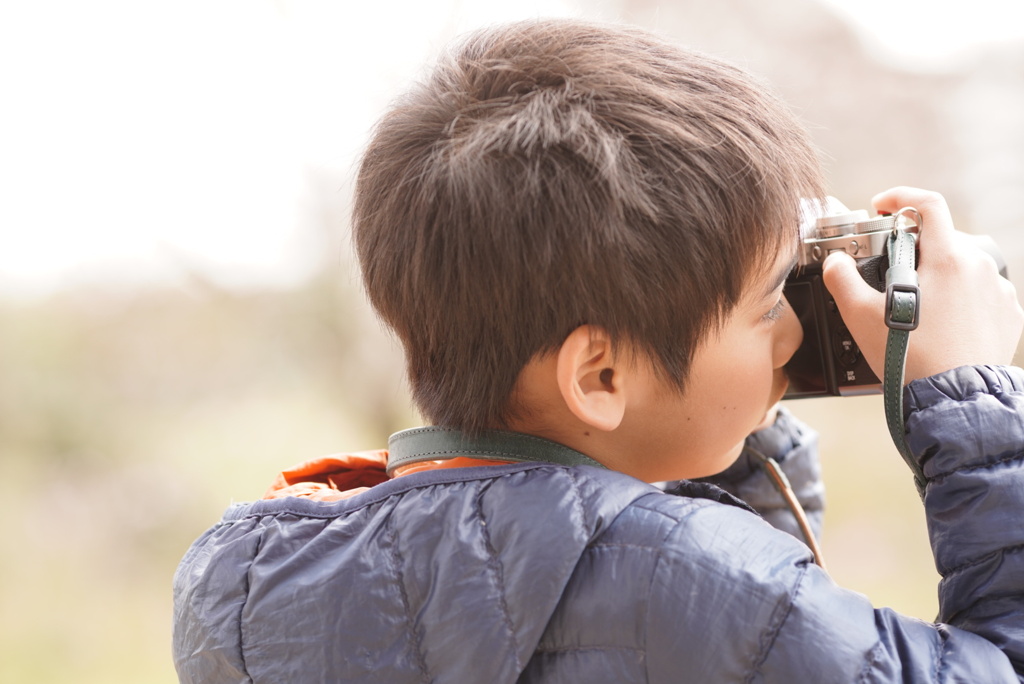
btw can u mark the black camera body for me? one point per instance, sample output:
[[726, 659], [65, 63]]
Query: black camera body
[[828, 362]]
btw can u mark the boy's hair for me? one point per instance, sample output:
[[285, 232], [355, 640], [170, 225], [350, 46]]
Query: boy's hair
[[554, 173]]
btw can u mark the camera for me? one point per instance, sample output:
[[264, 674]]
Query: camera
[[828, 362]]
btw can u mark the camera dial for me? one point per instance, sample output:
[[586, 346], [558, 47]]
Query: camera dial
[[840, 229]]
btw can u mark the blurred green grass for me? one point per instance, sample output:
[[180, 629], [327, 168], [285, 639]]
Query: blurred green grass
[[128, 421], [875, 539]]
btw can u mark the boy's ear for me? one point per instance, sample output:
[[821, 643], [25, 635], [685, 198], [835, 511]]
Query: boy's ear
[[590, 379]]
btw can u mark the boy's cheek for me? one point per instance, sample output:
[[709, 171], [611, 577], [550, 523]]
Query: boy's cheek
[[729, 458], [735, 452], [769, 418]]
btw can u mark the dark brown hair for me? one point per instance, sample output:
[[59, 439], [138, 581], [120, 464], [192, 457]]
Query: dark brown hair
[[554, 173]]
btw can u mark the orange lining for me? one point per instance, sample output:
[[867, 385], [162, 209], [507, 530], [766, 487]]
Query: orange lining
[[457, 462], [341, 476]]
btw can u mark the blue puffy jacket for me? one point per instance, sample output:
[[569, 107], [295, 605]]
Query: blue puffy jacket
[[535, 572]]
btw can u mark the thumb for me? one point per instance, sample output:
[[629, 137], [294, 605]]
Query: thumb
[[845, 283], [860, 305]]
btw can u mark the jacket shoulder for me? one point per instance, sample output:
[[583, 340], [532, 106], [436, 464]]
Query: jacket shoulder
[[412, 552], [675, 584]]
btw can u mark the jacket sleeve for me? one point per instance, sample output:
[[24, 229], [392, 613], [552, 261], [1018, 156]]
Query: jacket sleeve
[[795, 447], [779, 618], [966, 428]]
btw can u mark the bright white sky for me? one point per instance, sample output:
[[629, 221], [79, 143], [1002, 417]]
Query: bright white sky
[[933, 34], [138, 136]]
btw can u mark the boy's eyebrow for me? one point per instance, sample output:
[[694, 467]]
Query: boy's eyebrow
[[780, 277]]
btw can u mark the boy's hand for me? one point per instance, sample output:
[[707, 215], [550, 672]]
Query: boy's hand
[[969, 313]]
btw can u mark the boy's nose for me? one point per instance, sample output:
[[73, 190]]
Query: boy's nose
[[789, 335]]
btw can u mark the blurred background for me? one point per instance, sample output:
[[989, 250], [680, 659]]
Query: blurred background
[[181, 318]]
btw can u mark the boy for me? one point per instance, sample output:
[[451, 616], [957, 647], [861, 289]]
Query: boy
[[580, 235]]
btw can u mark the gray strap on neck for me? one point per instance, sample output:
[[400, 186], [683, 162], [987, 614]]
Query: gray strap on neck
[[436, 443]]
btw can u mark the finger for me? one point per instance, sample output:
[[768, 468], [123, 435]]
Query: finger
[[937, 229], [860, 305], [847, 286], [988, 247]]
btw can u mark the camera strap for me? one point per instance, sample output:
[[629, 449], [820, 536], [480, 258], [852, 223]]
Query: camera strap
[[902, 313], [437, 443]]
